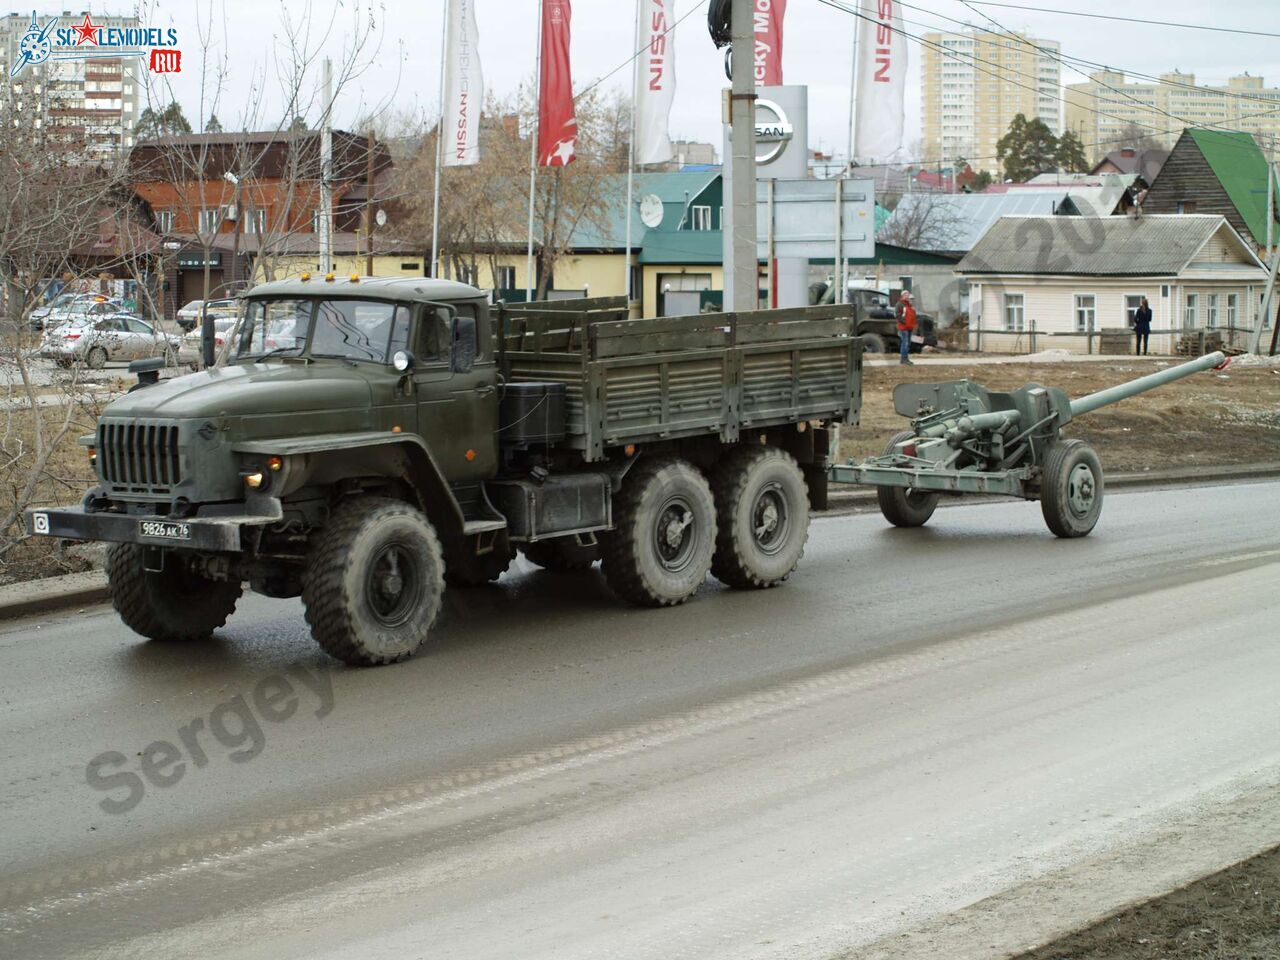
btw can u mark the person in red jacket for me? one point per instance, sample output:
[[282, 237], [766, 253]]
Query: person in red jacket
[[906, 325]]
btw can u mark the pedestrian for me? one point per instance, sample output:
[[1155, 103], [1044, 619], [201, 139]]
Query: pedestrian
[[1142, 328], [906, 325]]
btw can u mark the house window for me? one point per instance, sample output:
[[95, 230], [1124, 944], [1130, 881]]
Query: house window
[[1186, 206], [1233, 309], [701, 218], [1132, 301], [209, 221], [1191, 314], [1014, 307], [1212, 311], [506, 279], [906, 284], [255, 222], [164, 221], [1086, 311], [467, 274]]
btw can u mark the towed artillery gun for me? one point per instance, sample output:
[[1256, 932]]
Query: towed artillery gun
[[965, 438]]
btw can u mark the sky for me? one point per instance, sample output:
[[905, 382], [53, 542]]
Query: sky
[[818, 41]]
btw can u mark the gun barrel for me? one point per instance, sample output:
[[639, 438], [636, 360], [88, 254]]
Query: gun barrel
[[1122, 391]]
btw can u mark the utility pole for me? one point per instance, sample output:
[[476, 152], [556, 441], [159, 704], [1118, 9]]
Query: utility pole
[[744, 285], [326, 172], [368, 207]]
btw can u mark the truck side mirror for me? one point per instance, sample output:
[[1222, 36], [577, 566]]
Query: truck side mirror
[[462, 346]]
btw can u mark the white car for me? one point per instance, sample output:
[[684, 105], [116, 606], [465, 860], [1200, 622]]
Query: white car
[[70, 305], [95, 340], [192, 349], [190, 313]]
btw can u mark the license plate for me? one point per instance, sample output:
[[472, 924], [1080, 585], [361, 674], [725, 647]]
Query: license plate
[[164, 530]]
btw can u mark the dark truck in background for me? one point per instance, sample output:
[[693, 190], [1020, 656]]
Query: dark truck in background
[[367, 441], [877, 318]]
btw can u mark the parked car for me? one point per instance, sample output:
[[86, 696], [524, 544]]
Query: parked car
[[94, 340], [190, 352], [190, 314], [68, 305]]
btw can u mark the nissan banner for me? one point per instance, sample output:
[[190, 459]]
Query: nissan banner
[[655, 80], [882, 83], [463, 86]]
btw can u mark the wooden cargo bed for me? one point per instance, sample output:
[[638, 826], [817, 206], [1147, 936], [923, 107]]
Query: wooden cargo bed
[[636, 381]]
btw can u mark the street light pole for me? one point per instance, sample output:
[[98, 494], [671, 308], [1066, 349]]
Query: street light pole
[[744, 285]]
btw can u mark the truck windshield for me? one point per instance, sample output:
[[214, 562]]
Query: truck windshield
[[351, 329]]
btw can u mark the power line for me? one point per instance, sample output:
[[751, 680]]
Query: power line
[[959, 56], [1080, 62], [632, 59], [1108, 16]]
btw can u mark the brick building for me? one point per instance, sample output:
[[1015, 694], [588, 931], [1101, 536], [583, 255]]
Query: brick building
[[247, 204]]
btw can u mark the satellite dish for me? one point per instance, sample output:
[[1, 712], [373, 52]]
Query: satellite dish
[[380, 218], [651, 210]]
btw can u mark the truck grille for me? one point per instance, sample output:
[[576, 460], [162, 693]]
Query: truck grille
[[137, 456]]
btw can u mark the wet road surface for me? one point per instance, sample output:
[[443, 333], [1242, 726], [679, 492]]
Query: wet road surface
[[917, 720]]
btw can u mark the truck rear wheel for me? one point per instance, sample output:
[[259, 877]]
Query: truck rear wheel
[[901, 506], [1071, 488], [373, 582], [660, 549], [171, 604], [872, 343], [561, 554], [762, 517]]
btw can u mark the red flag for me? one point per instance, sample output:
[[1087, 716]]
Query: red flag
[[766, 22], [557, 127]]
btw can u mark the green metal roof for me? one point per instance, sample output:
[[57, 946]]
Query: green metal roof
[[1240, 166], [682, 246], [675, 190]]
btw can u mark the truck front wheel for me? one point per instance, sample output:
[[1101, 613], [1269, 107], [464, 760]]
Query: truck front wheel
[[660, 549], [373, 582], [168, 604], [762, 517]]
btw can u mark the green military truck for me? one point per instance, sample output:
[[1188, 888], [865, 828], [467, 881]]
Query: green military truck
[[366, 441]]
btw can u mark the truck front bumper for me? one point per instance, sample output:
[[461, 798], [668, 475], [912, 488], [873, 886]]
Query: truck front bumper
[[216, 534]]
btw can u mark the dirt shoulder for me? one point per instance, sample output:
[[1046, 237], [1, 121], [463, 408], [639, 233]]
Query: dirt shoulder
[[1232, 914], [1209, 418]]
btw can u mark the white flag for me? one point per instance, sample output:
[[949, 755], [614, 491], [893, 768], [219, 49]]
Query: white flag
[[882, 83], [463, 86], [655, 80]]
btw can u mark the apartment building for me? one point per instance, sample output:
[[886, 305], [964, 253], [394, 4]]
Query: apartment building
[[1099, 109], [88, 107], [975, 83]]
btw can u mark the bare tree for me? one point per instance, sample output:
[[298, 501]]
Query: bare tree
[[59, 216], [484, 208], [924, 221]]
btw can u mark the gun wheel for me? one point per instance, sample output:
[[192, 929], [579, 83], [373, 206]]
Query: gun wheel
[[902, 506], [1071, 488]]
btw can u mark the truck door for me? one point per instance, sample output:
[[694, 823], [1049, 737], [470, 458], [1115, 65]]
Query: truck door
[[457, 412]]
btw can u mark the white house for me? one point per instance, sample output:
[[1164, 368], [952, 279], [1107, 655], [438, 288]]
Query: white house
[[1067, 276]]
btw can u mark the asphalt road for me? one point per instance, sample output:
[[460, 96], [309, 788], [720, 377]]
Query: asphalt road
[[916, 721]]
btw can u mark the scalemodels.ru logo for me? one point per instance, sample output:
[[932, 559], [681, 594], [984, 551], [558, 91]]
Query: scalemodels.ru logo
[[93, 41]]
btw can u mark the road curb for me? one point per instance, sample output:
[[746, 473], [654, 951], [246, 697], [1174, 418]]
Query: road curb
[[51, 594], [33, 597]]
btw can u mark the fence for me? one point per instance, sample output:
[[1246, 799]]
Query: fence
[[1032, 339]]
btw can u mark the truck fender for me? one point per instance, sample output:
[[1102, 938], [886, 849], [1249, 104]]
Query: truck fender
[[423, 473]]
